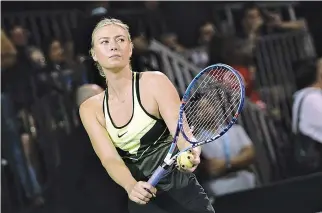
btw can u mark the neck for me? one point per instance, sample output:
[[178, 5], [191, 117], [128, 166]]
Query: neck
[[119, 80], [317, 85]]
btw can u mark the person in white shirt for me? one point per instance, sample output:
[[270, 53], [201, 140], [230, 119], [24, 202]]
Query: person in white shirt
[[228, 162], [307, 117], [309, 82]]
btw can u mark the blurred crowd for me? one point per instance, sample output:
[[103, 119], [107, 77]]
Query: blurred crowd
[[42, 87], [32, 78]]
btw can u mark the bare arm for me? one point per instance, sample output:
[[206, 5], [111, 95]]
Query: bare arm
[[296, 25], [104, 148], [169, 102], [244, 159]]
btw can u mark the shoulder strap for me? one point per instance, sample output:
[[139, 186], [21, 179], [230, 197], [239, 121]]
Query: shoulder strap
[[137, 86], [104, 101]]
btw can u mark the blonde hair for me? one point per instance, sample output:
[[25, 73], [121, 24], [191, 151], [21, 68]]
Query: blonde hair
[[104, 22], [7, 48]]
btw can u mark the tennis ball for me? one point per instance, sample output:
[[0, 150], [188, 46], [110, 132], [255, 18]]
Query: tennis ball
[[183, 160]]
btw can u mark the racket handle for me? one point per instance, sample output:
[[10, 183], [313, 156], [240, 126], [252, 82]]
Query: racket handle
[[157, 175]]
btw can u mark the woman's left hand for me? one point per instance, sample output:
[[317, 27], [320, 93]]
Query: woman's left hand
[[195, 160]]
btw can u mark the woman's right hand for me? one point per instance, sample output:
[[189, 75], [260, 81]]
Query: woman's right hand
[[141, 192]]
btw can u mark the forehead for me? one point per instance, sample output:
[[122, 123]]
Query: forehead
[[110, 31], [55, 44], [253, 12], [17, 30]]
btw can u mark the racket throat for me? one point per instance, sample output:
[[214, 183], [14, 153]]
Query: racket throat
[[168, 160], [166, 166]]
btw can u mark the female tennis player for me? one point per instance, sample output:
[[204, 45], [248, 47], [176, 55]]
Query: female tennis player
[[131, 127]]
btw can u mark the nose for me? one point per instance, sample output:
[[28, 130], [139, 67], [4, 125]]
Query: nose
[[113, 46]]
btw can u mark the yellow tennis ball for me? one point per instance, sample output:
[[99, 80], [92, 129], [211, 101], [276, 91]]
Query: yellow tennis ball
[[183, 160]]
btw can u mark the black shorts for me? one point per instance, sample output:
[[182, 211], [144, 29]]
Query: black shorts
[[190, 199]]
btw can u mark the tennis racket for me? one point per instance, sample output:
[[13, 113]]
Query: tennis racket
[[209, 108]]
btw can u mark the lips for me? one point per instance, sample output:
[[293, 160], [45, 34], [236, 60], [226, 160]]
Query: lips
[[115, 56]]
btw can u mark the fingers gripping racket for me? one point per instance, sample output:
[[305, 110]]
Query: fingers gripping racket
[[209, 108]]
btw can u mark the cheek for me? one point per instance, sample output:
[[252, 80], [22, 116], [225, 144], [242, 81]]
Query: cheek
[[103, 50], [101, 53], [126, 54]]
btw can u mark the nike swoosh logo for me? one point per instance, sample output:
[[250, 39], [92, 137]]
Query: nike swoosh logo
[[118, 135]]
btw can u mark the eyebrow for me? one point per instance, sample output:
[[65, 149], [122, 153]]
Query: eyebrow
[[109, 37]]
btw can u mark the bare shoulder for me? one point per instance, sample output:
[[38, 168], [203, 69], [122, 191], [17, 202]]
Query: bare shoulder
[[155, 78], [93, 104], [163, 88]]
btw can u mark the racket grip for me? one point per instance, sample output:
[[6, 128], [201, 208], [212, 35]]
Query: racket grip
[[157, 175]]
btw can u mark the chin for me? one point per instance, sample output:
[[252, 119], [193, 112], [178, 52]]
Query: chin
[[116, 68]]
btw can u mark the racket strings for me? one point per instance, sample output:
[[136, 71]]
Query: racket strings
[[203, 97], [220, 115], [189, 102], [209, 121], [206, 106], [222, 120], [189, 105], [219, 94], [219, 118], [197, 89]]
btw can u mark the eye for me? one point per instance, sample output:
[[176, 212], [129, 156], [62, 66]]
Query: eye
[[121, 40], [104, 42]]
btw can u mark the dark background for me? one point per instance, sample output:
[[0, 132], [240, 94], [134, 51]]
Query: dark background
[[193, 14]]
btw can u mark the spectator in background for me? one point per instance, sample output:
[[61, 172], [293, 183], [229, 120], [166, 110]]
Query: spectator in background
[[307, 113], [20, 38], [54, 51], [15, 142], [238, 57], [37, 57], [171, 41], [256, 22], [20, 84], [18, 81], [51, 78], [233, 51], [60, 75], [199, 56], [144, 59], [228, 160], [207, 32]]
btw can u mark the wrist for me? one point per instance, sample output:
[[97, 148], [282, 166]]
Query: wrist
[[197, 150], [129, 186]]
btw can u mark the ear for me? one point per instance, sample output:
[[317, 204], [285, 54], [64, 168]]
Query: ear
[[93, 54], [131, 49]]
